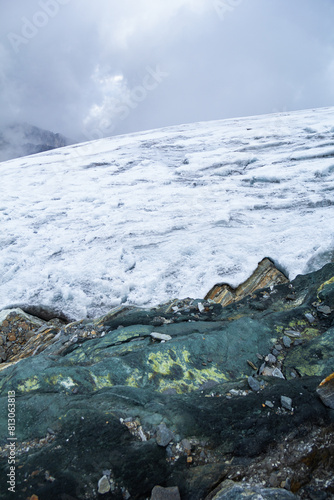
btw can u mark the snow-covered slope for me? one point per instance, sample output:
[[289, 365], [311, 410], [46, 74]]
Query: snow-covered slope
[[146, 217]]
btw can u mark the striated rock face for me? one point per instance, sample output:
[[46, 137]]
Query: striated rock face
[[196, 398], [265, 275], [16, 329], [23, 335]]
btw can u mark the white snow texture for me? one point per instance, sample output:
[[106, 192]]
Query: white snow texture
[[147, 217]]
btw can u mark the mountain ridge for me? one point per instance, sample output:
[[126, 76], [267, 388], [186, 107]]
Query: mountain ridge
[[23, 139]]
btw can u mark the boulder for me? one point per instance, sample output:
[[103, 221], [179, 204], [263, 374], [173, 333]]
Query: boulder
[[235, 491], [265, 275], [91, 396]]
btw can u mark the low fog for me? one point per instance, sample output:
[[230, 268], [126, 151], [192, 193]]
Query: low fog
[[94, 69]]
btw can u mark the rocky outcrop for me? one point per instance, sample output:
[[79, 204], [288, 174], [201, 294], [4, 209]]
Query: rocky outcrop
[[187, 398], [265, 275]]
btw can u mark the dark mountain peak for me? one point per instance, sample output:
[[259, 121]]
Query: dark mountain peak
[[22, 139]]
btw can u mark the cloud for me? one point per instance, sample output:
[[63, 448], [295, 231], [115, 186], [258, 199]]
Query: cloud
[[85, 68]]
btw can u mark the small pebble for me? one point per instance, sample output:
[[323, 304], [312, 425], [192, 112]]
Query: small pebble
[[200, 306], [103, 485], [286, 341], [271, 359], [261, 369], [164, 435], [286, 403], [277, 373], [160, 336], [292, 333], [269, 404], [324, 309], [310, 318], [253, 384]]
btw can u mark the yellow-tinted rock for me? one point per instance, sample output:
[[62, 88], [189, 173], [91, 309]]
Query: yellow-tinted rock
[[326, 391], [265, 275]]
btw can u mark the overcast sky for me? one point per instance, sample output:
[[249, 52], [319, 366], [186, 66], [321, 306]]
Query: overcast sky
[[93, 68]]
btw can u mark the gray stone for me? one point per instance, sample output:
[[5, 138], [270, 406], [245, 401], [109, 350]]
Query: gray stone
[[266, 371], [286, 341], [324, 309], [292, 333], [286, 403], [262, 368], [103, 485], [253, 384], [236, 491], [160, 493], [310, 318], [160, 336], [164, 435], [277, 373], [271, 359], [200, 306], [186, 445]]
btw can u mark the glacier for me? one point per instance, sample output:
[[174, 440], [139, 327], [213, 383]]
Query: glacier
[[146, 217]]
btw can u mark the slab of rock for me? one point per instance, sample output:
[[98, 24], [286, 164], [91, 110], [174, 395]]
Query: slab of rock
[[265, 275], [160, 493]]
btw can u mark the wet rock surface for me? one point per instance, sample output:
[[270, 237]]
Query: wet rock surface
[[220, 402]]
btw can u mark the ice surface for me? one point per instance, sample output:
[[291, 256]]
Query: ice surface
[[167, 213]]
